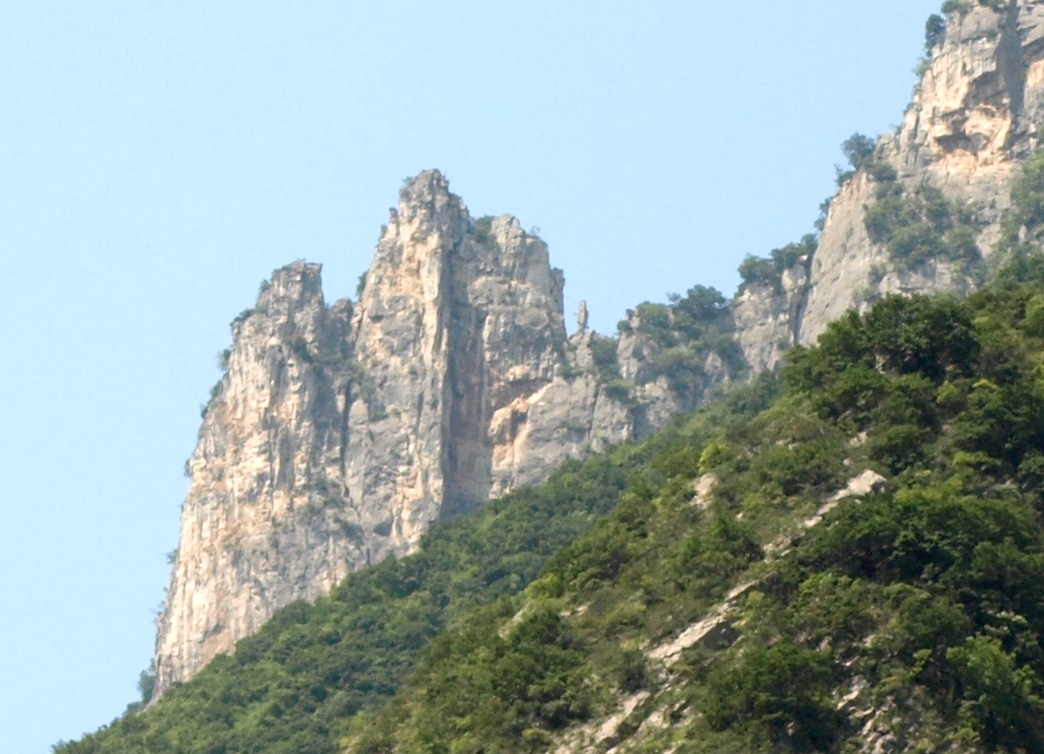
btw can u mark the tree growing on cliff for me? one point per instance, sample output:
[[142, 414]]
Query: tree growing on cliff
[[859, 151]]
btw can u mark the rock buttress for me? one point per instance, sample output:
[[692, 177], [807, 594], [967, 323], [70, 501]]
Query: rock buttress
[[975, 118], [338, 435], [265, 521]]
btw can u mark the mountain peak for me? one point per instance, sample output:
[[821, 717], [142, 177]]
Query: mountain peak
[[339, 435]]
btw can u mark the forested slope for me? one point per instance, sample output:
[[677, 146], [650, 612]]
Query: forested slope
[[294, 686], [903, 609], [910, 609]]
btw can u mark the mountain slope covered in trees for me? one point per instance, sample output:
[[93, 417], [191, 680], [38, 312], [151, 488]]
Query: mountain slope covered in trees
[[908, 611], [849, 557], [295, 685]]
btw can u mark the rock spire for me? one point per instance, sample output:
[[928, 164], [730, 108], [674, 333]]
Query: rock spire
[[340, 433]]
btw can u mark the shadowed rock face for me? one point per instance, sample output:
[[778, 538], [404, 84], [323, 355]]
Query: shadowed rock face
[[340, 433]]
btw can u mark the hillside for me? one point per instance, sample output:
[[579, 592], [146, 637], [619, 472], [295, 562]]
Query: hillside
[[294, 685], [804, 519], [857, 560], [860, 567], [862, 561]]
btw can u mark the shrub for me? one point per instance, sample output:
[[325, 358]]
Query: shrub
[[754, 270], [632, 671], [859, 150], [682, 366], [934, 29], [785, 688], [713, 554], [920, 225], [655, 320], [1001, 701], [1034, 317], [685, 332], [482, 230], [603, 354]]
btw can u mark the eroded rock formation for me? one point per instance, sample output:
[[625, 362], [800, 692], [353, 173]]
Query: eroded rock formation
[[339, 434], [974, 119]]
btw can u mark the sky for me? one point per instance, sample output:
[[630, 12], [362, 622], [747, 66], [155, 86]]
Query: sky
[[158, 160]]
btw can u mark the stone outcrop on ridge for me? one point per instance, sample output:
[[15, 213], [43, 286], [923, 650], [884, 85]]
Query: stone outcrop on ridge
[[340, 433]]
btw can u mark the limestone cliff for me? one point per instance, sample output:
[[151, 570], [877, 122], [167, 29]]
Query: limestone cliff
[[766, 314], [258, 529], [973, 120], [340, 433]]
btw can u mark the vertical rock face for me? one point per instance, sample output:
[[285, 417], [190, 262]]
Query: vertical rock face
[[260, 526], [974, 118], [338, 435], [767, 315], [964, 133], [457, 323]]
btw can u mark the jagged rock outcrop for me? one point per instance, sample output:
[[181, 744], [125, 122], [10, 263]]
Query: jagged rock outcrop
[[260, 526], [671, 367], [973, 120], [767, 317], [339, 434]]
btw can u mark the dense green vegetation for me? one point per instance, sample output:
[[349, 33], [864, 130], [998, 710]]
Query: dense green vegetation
[[918, 225], [287, 687], [676, 339], [921, 605], [294, 685], [769, 271]]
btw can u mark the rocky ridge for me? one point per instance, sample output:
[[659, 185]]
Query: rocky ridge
[[973, 121], [339, 433]]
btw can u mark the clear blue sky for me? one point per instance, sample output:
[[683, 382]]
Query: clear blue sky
[[158, 160]]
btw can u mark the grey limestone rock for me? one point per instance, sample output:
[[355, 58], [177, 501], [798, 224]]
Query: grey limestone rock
[[973, 122], [264, 522], [767, 317]]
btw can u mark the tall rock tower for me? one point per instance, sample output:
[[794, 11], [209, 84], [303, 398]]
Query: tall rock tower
[[340, 433], [266, 520]]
